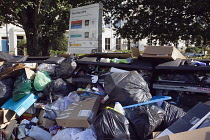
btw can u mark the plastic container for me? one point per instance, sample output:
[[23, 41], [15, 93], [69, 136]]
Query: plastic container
[[198, 63], [118, 107]]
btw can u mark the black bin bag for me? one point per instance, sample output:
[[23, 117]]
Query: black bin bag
[[110, 125], [66, 68], [145, 119], [6, 88], [57, 88], [172, 113], [127, 88]]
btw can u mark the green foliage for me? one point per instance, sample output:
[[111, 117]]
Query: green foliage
[[193, 50], [161, 20], [208, 52], [21, 44], [22, 48], [42, 20], [123, 51], [56, 52], [60, 43]]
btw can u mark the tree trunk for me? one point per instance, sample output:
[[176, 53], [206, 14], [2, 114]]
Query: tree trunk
[[33, 48], [129, 44], [46, 47]]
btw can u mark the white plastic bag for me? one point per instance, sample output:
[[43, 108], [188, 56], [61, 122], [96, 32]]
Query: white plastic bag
[[38, 133], [88, 134], [66, 134]]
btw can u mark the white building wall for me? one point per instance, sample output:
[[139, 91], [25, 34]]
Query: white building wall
[[108, 33], [2, 34], [12, 32]]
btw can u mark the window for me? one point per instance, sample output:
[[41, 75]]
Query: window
[[118, 44], [107, 23], [4, 37], [107, 43], [19, 37]]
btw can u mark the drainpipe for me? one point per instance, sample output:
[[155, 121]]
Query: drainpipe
[[7, 44]]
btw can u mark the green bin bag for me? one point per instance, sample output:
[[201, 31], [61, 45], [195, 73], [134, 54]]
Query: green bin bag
[[22, 87], [41, 80]]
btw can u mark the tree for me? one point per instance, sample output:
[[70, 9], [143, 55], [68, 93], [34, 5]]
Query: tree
[[60, 43], [42, 20], [34, 17], [166, 21]]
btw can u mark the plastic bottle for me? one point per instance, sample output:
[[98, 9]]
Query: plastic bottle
[[118, 107]]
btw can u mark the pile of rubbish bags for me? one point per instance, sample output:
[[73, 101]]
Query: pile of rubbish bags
[[76, 102]]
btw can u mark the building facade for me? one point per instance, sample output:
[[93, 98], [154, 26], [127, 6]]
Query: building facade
[[11, 34], [9, 37]]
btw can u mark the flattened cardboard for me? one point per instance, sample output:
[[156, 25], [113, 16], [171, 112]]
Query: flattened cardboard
[[79, 114], [30, 74], [1, 63], [135, 52], [198, 134], [32, 66], [10, 128], [22, 105], [155, 134], [166, 52], [14, 71], [46, 123], [28, 138]]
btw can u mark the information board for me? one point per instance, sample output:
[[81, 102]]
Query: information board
[[85, 29]]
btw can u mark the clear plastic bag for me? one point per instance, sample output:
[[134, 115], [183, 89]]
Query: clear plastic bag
[[66, 134], [38, 133], [61, 104], [88, 134], [46, 67]]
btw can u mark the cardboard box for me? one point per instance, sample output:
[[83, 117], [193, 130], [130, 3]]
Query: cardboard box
[[155, 134], [79, 114], [189, 121], [166, 52], [198, 134], [46, 123], [135, 52], [7, 115]]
